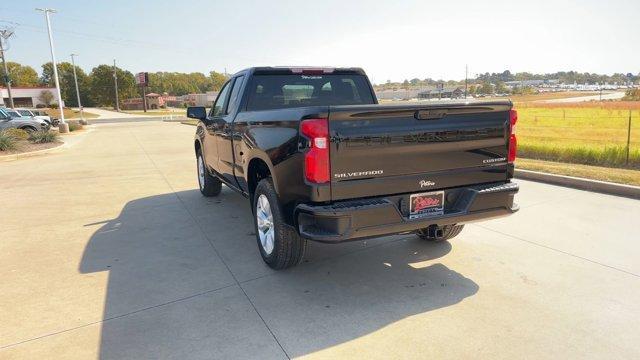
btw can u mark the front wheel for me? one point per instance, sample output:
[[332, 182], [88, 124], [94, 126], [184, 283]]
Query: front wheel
[[29, 129], [280, 245], [209, 185], [437, 234]]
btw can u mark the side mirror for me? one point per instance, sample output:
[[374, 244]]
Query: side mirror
[[197, 112]]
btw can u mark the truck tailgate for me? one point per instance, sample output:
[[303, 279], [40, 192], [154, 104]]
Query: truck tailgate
[[379, 150]]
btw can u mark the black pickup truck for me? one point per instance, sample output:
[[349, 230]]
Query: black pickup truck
[[319, 159]]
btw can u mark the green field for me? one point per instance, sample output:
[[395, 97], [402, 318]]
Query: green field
[[582, 134]]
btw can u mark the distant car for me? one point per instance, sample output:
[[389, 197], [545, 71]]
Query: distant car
[[35, 113], [12, 119]]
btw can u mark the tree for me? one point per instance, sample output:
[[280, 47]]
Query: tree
[[46, 97], [102, 91], [501, 88], [176, 83], [67, 83], [217, 80], [485, 88], [21, 75]]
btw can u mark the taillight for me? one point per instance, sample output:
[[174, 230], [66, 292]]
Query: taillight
[[513, 141], [316, 160]]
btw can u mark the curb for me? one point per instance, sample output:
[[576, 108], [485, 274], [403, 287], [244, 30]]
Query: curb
[[12, 157], [65, 144], [604, 187]]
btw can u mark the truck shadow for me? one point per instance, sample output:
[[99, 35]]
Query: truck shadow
[[170, 295]]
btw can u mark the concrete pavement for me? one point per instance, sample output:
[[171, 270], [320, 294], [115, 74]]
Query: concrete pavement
[[110, 114], [107, 250]]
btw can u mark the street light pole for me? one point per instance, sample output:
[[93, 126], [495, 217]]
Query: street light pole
[[75, 78], [63, 127], [466, 81]]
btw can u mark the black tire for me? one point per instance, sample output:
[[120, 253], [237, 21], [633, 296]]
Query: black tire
[[28, 129], [288, 247], [448, 232], [209, 185]]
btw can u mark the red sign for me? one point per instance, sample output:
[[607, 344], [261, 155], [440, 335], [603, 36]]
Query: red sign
[[142, 79]]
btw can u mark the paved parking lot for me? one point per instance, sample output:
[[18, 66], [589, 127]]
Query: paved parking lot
[[107, 250]]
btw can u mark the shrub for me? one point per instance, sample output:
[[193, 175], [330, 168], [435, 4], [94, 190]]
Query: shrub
[[7, 142], [74, 125], [17, 134], [632, 95], [53, 106], [41, 137]]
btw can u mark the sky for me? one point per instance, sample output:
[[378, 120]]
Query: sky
[[391, 40]]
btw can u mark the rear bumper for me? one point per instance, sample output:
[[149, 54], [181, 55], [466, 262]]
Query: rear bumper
[[357, 219]]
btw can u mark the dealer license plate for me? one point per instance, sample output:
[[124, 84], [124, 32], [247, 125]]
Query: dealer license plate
[[426, 204]]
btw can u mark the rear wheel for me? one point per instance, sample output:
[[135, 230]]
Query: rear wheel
[[279, 244], [209, 185], [442, 233]]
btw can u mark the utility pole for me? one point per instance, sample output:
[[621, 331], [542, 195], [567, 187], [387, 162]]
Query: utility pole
[[75, 78], [63, 127], [5, 34], [115, 83], [628, 138], [466, 76]]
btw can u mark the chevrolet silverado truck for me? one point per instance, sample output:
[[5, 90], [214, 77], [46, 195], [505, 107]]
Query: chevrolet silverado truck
[[319, 159]]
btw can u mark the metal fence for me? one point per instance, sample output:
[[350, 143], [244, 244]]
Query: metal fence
[[607, 137]]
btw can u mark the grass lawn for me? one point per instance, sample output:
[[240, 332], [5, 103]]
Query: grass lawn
[[622, 176], [69, 114], [593, 134]]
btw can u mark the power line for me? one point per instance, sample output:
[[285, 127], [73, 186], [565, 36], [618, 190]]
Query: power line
[[113, 40], [128, 42]]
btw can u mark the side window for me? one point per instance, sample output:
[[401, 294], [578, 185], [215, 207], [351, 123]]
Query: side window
[[235, 93], [218, 106], [3, 116]]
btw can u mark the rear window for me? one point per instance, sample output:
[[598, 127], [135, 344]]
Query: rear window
[[288, 91]]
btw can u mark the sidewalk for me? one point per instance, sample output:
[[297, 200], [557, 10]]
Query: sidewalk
[[110, 114]]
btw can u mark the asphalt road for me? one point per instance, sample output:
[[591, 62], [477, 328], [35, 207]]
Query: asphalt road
[[108, 250]]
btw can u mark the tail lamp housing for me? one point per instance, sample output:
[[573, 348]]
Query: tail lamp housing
[[316, 159], [513, 141]]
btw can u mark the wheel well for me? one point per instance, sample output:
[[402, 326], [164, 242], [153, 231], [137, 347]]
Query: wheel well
[[27, 127], [257, 171]]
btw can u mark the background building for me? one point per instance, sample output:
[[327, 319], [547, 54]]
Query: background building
[[29, 97], [445, 93]]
